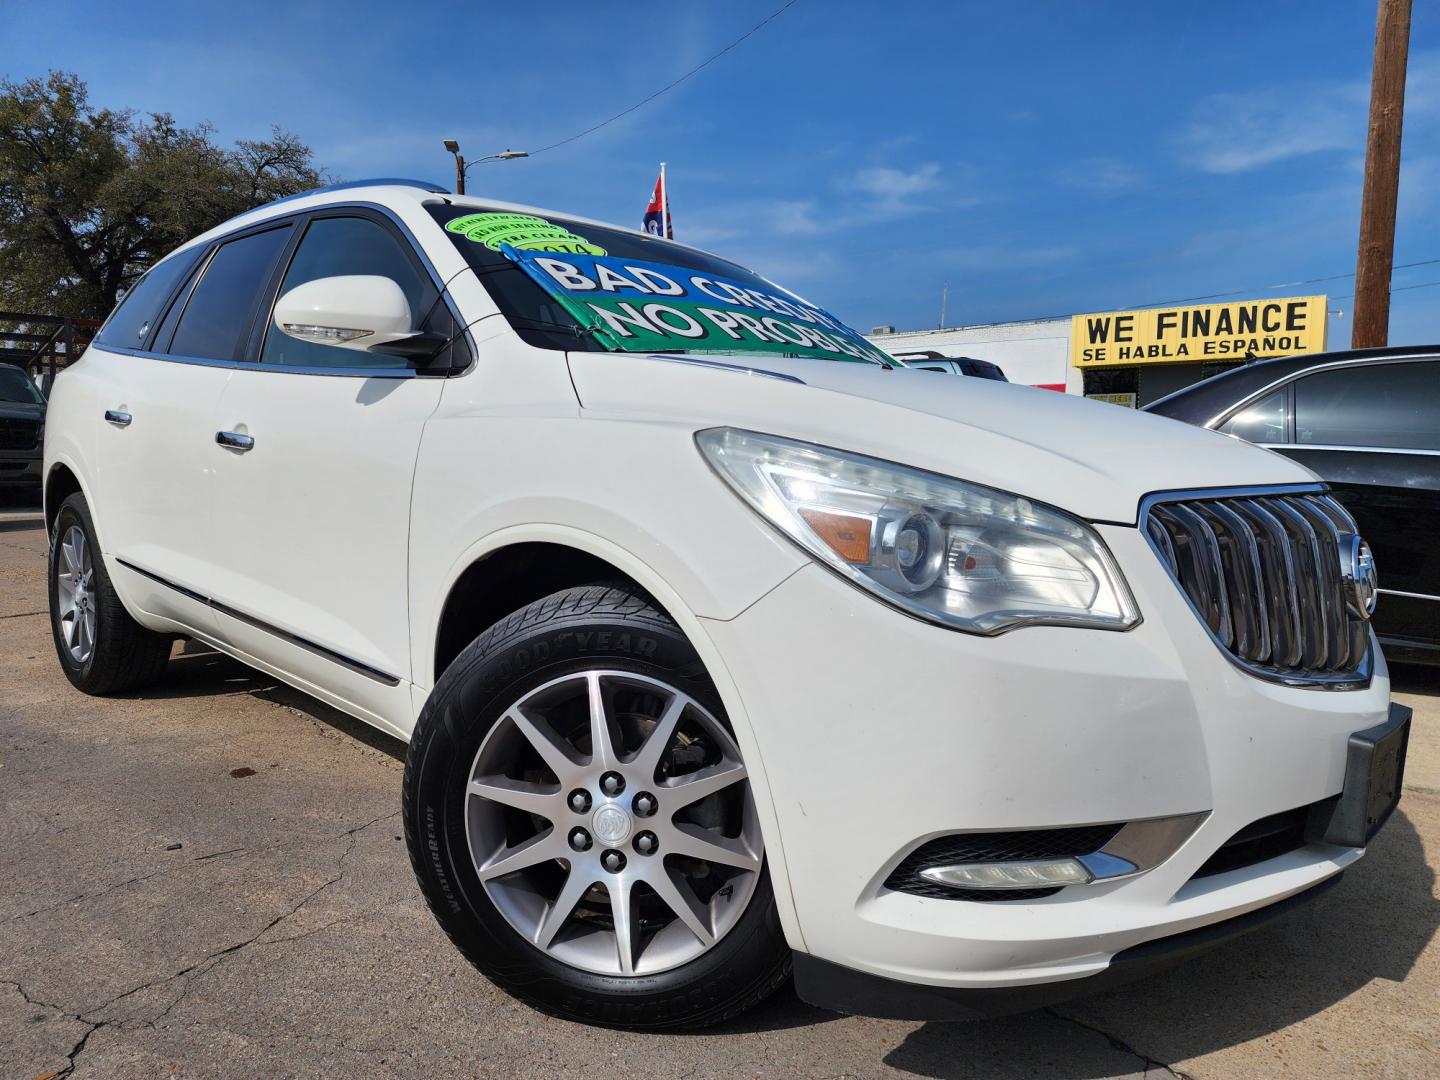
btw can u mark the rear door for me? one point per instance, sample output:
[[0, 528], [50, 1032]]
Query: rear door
[[157, 372], [1372, 431], [312, 516]]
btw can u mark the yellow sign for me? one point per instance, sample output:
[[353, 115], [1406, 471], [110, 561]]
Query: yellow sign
[[1287, 326], [1125, 400]]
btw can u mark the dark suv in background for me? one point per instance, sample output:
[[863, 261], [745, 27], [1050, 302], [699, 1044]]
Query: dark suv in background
[[954, 365], [22, 425], [1368, 423]]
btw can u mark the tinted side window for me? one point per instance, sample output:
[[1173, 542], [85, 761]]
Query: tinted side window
[[1396, 405], [333, 247], [161, 341], [983, 371], [131, 320], [1263, 421], [222, 303]]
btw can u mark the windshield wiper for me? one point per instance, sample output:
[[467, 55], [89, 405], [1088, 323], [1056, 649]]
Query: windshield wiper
[[572, 329], [786, 355]]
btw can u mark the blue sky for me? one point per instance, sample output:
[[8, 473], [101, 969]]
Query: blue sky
[[1043, 158]]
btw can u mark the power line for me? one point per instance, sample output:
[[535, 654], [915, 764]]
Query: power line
[[1288, 284], [666, 89], [1394, 289], [1242, 292]]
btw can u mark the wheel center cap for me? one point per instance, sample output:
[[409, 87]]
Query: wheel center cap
[[610, 824]]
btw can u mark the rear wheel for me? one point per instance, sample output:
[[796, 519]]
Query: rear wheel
[[581, 820], [102, 650]]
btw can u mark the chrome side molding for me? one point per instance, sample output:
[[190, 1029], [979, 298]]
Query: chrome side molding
[[275, 631]]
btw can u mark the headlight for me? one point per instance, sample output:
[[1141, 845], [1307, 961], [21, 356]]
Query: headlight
[[966, 556]]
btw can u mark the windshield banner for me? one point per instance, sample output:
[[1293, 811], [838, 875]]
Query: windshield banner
[[636, 306]]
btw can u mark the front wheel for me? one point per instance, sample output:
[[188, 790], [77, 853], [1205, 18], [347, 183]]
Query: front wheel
[[581, 821]]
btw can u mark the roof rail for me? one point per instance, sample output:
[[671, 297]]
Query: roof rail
[[386, 181]]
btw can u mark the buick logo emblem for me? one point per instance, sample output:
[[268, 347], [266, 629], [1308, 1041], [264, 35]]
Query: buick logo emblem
[[1357, 575], [611, 824]]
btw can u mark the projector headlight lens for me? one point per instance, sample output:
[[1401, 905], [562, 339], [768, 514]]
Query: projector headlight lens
[[965, 556]]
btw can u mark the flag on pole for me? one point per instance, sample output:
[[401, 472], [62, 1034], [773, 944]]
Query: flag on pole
[[657, 214]]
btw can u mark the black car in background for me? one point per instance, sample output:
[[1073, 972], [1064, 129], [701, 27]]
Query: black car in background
[[1368, 423], [22, 426]]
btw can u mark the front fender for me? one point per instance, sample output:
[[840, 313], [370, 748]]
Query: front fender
[[663, 520]]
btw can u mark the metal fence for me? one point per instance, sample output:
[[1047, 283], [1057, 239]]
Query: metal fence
[[43, 344]]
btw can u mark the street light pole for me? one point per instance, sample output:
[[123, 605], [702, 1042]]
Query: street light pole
[[462, 166], [1375, 259]]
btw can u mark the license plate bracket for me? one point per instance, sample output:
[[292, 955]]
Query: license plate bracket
[[1374, 773]]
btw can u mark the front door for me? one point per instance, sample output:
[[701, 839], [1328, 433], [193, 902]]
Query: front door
[[312, 499]]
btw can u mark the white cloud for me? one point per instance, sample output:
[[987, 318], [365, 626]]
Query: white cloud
[[994, 257], [1419, 185], [1232, 133], [1103, 175], [769, 217], [853, 200], [894, 186], [700, 234], [793, 218], [1422, 83]]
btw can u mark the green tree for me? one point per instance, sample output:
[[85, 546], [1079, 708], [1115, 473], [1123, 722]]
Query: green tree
[[91, 197]]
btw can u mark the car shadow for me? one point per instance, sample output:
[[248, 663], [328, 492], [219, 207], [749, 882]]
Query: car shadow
[[1415, 679], [1373, 925], [196, 670]]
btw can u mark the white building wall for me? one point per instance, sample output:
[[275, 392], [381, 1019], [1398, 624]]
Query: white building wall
[[1037, 353]]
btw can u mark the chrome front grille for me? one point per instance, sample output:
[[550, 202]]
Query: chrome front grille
[[1263, 571]]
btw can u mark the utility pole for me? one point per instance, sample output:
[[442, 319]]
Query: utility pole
[[944, 296], [1373, 265]]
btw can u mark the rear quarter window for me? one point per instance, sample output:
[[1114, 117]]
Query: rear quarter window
[[129, 324]]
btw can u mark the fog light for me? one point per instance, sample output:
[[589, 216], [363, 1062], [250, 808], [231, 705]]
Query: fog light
[[1043, 874]]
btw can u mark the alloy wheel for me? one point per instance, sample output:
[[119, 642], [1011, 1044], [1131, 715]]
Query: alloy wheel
[[75, 590], [610, 821]]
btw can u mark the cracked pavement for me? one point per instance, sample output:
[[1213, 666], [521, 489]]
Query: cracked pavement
[[161, 916]]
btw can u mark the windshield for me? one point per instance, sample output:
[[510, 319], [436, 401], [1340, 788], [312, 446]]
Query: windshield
[[15, 385], [564, 284]]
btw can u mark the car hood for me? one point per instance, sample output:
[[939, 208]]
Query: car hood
[[21, 410], [1093, 459]]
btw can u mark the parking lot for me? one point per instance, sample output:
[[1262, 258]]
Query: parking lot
[[209, 880]]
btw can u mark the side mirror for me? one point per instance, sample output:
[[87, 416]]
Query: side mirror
[[352, 311]]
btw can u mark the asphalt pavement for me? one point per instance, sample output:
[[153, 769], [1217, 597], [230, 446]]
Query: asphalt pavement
[[208, 880]]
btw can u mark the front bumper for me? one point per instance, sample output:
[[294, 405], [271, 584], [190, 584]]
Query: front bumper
[[879, 732], [20, 467], [842, 989]]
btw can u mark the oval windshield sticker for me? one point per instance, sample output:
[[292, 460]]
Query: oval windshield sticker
[[523, 232]]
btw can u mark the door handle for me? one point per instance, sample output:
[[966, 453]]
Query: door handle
[[233, 440], [118, 418]]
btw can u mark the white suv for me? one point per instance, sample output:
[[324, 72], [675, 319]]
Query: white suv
[[723, 643]]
